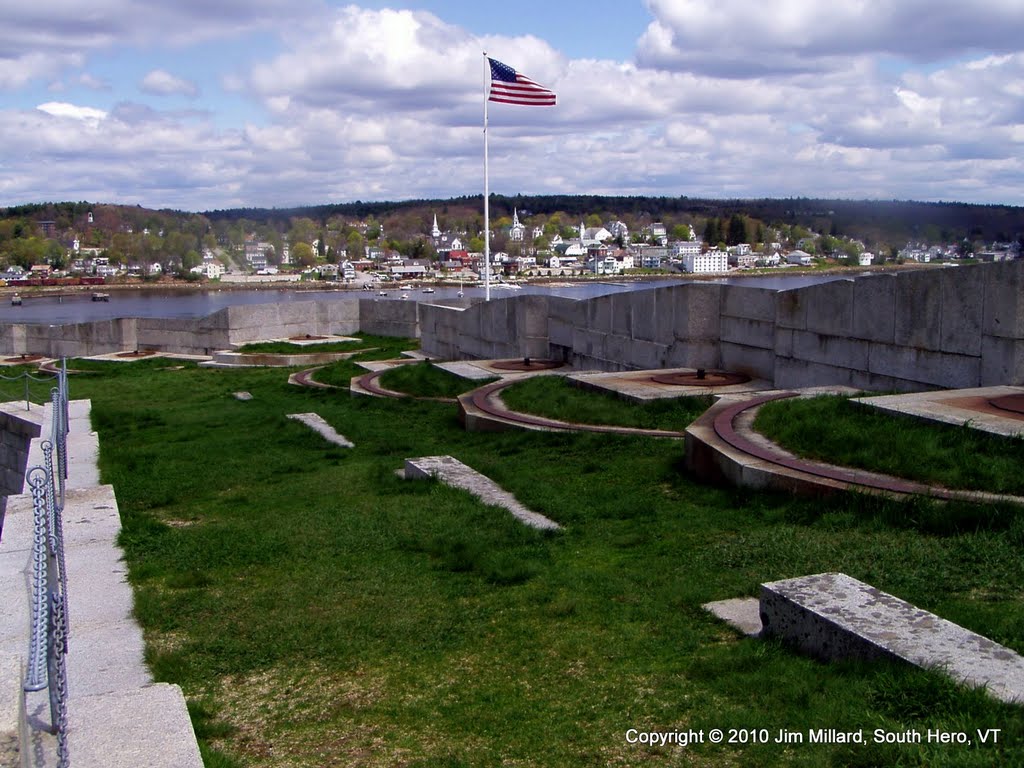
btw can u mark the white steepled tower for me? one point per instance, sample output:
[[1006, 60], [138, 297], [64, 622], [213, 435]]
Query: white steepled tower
[[435, 232]]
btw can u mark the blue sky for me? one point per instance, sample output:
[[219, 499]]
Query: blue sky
[[198, 104]]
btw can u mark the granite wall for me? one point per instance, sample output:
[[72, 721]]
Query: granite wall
[[917, 329], [921, 329]]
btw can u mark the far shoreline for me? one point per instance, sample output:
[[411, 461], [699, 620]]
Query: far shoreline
[[188, 286]]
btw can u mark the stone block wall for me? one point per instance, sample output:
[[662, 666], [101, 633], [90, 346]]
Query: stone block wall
[[382, 317], [922, 329], [17, 429], [242, 324]]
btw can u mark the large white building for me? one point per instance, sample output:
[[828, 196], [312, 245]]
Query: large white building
[[704, 263]]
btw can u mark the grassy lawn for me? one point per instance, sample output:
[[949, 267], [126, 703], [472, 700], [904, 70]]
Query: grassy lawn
[[319, 611], [425, 379], [555, 397], [389, 345], [857, 436]]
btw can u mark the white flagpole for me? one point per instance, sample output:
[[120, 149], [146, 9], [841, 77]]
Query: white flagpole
[[487, 191]]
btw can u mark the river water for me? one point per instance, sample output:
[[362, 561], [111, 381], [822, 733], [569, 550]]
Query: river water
[[78, 307]]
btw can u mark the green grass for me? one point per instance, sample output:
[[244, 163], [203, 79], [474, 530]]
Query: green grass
[[387, 345], [857, 436], [425, 379], [555, 397], [21, 382], [319, 611]]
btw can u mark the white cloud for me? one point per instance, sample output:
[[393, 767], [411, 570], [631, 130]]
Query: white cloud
[[162, 83], [725, 98], [72, 111], [740, 38]]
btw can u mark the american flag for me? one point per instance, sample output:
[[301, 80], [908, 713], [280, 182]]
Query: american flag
[[510, 87]]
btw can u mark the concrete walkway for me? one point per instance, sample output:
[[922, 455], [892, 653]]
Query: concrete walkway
[[117, 716]]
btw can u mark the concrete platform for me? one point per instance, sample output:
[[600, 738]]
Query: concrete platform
[[742, 613], [451, 471], [229, 359], [834, 616], [467, 370], [305, 340], [960, 407], [639, 386], [131, 357]]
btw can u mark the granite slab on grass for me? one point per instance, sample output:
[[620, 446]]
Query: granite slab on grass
[[451, 471], [316, 422]]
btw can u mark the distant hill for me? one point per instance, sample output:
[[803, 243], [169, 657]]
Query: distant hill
[[877, 223]]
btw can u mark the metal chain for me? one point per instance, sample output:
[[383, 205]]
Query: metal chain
[[36, 677], [59, 677]]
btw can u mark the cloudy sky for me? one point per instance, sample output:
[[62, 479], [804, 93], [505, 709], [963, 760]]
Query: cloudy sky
[[201, 104]]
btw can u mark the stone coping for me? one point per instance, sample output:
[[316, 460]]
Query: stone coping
[[959, 407], [639, 386]]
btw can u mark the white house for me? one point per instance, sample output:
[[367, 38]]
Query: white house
[[799, 257], [685, 248], [704, 263], [604, 265], [211, 270], [865, 259], [594, 235]]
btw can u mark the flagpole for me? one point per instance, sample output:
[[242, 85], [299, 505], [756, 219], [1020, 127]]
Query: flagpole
[[487, 192]]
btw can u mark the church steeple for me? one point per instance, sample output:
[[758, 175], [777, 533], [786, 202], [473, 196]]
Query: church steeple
[[435, 232]]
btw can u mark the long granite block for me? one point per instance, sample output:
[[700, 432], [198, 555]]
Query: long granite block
[[646, 307], [830, 307], [750, 302], [791, 309], [919, 310], [755, 362], [874, 308], [930, 369], [963, 310], [832, 616], [1002, 361], [599, 314], [698, 312], [451, 471], [532, 316], [1004, 303], [839, 351], [748, 332]]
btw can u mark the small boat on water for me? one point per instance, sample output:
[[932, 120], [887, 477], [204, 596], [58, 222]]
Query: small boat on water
[[428, 289], [15, 300], [101, 297], [405, 295]]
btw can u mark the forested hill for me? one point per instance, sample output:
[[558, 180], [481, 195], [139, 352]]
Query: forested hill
[[876, 221]]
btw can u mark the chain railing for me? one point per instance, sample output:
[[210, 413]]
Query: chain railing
[[25, 386], [47, 667]]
